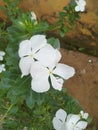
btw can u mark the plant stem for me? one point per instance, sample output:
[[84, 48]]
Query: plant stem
[[5, 115]]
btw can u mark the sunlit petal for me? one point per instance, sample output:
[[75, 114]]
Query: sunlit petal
[[73, 120], [82, 3], [2, 67], [81, 125], [82, 8], [77, 8], [57, 124], [84, 115], [37, 70], [1, 58], [38, 42], [61, 115], [25, 65], [41, 84], [24, 48], [57, 83], [33, 16], [69, 117], [2, 53], [64, 71], [48, 56]]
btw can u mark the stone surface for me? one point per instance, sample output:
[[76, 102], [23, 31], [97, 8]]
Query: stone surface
[[84, 85]]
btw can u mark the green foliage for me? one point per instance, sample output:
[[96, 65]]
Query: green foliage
[[23, 28], [54, 42], [67, 19], [42, 112], [11, 8]]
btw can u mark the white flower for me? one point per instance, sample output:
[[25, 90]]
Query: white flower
[[37, 49], [80, 5], [71, 122], [84, 115], [59, 121], [74, 123], [2, 53], [57, 74], [2, 68], [33, 16]]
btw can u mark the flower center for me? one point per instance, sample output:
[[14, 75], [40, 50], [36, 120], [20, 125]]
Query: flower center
[[50, 72], [31, 55]]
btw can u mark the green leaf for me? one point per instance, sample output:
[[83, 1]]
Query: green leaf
[[13, 110], [10, 125], [30, 100], [62, 33], [41, 27], [54, 42]]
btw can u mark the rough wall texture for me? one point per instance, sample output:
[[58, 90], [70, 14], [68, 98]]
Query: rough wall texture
[[84, 85], [84, 35]]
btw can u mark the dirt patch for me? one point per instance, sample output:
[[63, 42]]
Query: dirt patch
[[84, 85]]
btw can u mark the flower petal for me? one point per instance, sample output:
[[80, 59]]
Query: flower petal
[[77, 8], [25, 65], [48, 56], [84, 115], [1, 58], [57, 124], [2, 53], [61, 115], [41, 84], [38, 42], [82, 8], [81, 125], [82, 3], [64, 71], [24, 48], [2, 67], [37, 70], [33, 16], [40, 77], [73, 120], [57, 83]]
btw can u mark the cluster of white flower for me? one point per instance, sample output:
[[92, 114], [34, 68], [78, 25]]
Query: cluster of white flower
[[33, 16], [80, 5], [2, 66], [40, 60], [62, 121]]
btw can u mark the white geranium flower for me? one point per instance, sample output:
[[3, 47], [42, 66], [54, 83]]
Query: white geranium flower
[[80, 5], [57, 74], [36, 49], [33, 16], [71, 122], [2, 68], [2, 53], [84, 115]]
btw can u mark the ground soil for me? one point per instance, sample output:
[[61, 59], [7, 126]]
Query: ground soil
[[84, 85]]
